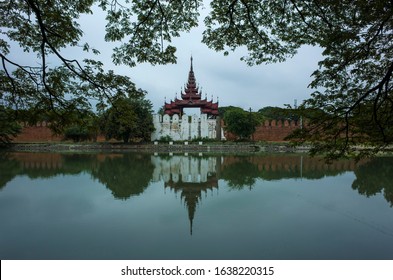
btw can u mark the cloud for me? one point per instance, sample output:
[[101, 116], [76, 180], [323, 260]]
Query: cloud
[[225, 77], [230, 79]]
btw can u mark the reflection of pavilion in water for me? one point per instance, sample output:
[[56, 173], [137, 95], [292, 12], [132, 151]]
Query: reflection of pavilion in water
[[188, 175]]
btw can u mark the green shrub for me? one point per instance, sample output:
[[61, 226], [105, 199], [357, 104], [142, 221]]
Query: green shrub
[[78, 134]]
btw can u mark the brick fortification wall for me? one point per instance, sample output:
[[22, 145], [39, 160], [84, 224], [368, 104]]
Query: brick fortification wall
[[268, 131], [271, 130], [274, 130], [37, 133]]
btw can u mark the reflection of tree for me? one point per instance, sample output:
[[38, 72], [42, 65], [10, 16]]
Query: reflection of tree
[[240, 174], [125, 175], [77, 163], [375, 176], [129, 174], [9, 168]]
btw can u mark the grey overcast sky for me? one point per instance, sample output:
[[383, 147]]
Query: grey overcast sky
[[225, 77]]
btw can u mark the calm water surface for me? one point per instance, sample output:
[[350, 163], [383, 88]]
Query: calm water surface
[[145, 206]]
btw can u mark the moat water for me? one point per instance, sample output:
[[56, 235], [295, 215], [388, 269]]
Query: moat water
[[194, 206]]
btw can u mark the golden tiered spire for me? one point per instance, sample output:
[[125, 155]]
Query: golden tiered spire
[[191, 98]]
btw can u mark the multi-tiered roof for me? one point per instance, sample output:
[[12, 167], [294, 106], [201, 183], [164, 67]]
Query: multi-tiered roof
[[191, 98]]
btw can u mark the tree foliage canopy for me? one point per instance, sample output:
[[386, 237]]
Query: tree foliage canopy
[[240, 123], [277, 113], [352, 103], [129, 117], [8, 126]]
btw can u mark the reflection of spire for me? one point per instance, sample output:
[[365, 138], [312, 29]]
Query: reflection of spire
[[191, 198], [191, 193], [191, 185]]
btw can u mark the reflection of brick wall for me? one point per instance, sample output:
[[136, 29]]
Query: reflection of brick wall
[[271, 131], [39, 160], [38, 133], [291, 163]]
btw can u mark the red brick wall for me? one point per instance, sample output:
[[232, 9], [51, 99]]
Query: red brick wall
[[270, 131], [42, 133], [38, 133]]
